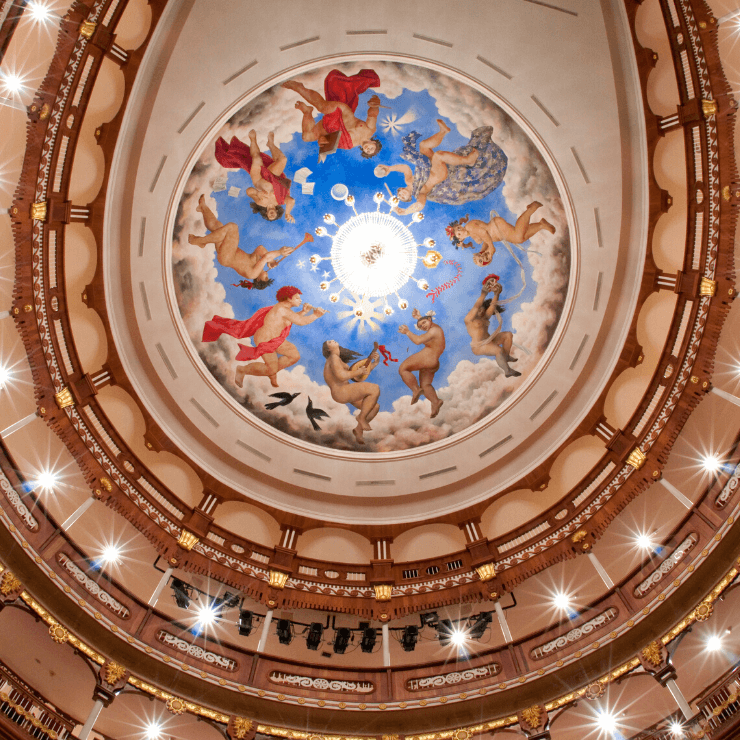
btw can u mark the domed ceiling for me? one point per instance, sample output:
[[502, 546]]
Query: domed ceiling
[[365, 316]]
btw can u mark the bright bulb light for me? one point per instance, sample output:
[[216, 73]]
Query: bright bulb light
[[12, 82], [711, 463], [153, 731], [5, 376], [111, 554], [206, 614], [714, 644], [562, 601], [46, 480], [676, 729], [606, 721], [458, 637], [39, 11], [644, 541]]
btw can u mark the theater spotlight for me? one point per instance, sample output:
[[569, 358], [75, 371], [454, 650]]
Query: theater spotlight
[[341, 640], [245, 623], [284, 631], [230, 600], [409, 637], [369, 636], [480, 626], [182, 593], [429, 619], [315, 632], [445, 631]]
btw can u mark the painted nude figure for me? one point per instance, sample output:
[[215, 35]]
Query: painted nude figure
[[270, 189], [270, 327], [225, 238], [338, 106], [496, 230], [426, 361], [496, 344], [469, 173], [363, 396]]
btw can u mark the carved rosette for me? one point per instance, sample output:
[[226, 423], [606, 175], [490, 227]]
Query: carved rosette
[[241, 728], [175, 705], [113, 676], [10, 587], [58, 633], [533, 720]]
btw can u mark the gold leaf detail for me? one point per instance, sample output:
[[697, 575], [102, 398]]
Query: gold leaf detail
[[114, 673], [175, 705], [242, 726], [9, 584], [58, 633], [532, 716], [652, 654]]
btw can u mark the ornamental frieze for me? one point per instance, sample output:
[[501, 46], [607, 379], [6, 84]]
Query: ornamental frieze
[[197, 652], [729, 490], [564, 641], [644, 587], [321, 684], [93, 587], [453, 678], [18, 506]]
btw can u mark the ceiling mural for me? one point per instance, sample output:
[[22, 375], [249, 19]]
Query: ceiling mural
[[370, 257]]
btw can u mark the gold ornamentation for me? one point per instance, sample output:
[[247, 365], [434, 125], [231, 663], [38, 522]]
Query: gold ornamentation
[[64, 398], [636, 458], [114, 673], [278, 579], [38, 211], [431, 259], [175, 705], [703, 611], [707, 286], [579, 536], [44, 112], [241, 726], [652, 654], [187, 540], [532, 716], [726, 192], [709, 108], [27, 308], [58, 633], [105, 482], [5, 698], [461, 734], [9, 584], [87, 29], [486, 571], [594, 691], [383, 591]]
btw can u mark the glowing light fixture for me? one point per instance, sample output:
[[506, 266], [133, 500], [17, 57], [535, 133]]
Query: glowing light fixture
[[38, 11], [111, 554], [711, 463], [562, 601], [644, 540], [207, 614], [5, 376], [606, 721], [12, 83], [153, 731], [46, 480], [676, 729], [714, 644]]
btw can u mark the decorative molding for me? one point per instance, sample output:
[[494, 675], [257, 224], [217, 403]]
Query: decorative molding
[[92, 587], [729, 490], [486, 572], [16, 502], [644, 587], [87, 29], [707, 286], [576, 634], [187, 540], [64, 398], [321, 684], [383, 591], [453, 678], [197, 652], [278, 579], [636, 458], [38, 211]]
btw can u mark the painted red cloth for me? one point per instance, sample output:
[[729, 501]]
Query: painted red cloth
[[236, 154], [218, 325], [340, 88]]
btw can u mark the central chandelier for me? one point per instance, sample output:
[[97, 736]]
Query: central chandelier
[[373, 255]]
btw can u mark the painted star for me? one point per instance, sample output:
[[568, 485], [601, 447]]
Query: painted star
[[301, 264], [326, 275], [314, 268]]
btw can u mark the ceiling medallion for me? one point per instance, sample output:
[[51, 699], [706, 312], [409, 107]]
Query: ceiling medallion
[[386, 341]]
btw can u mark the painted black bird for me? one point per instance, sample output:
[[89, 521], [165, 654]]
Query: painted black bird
[[285, 399], [314, 414]]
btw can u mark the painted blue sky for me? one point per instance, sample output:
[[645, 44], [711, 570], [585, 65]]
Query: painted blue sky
[[349, 168]]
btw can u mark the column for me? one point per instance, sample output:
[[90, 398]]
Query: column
[[502, 621], [92, 718], [265, 632], [600, 570], [162, 583], [75, 515], [386, 646], [677, 494]]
